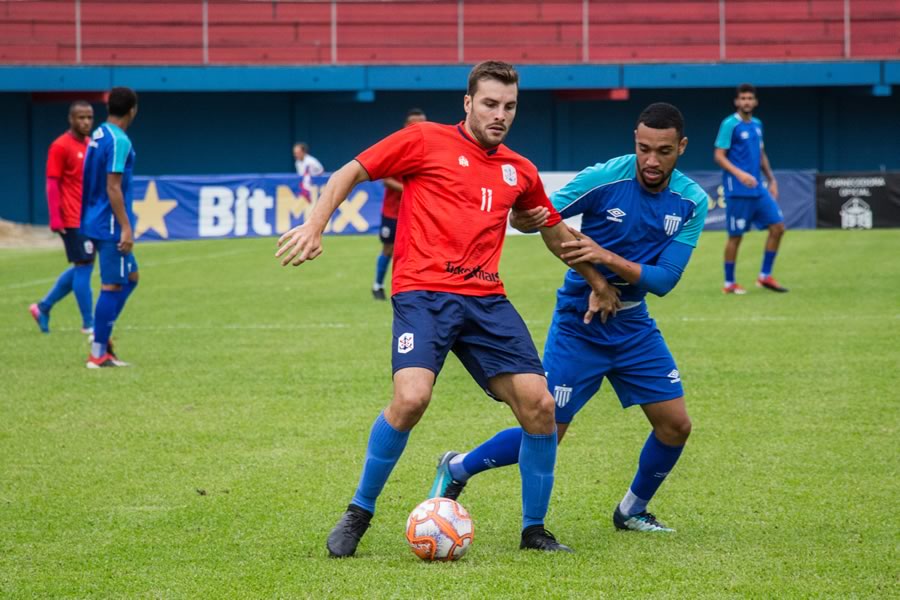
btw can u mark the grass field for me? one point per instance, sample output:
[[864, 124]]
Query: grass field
[[216, 466]]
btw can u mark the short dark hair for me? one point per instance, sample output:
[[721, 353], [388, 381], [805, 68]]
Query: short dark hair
[[415, 112], [662, 115], [79, 104], [120, 101], [745, 88], [491, 69]]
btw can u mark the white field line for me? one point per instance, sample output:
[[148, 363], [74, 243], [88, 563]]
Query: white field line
[[27, 325], [141, 264]]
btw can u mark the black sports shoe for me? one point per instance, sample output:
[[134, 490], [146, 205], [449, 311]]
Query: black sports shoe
[[536, 537], [344, 538], [378, 294]]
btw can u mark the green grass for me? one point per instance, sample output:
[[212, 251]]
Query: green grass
[[216, 466]]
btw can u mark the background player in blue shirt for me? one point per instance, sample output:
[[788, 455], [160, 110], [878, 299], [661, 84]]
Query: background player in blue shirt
[[107, 218], [641, 219], [741, 154]]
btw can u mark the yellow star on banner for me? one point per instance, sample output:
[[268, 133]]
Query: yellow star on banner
[[151, 213]]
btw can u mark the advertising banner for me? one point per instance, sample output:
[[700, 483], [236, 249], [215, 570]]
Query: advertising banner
[[201, 207], [197, 207], [858, 200], [796, 197]]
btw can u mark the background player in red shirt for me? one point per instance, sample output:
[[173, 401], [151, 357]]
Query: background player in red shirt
[[390, 208], [460, 183], [64, 173]]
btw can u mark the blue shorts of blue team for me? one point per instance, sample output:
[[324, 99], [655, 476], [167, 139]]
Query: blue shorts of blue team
[[79, 249], [115, 267], [741, 213], [388, 230], [485, 332], [628, 350]]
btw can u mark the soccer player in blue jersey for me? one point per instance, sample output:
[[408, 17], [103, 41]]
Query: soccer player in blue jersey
[[742, 155], [641, 219], [107, 218]]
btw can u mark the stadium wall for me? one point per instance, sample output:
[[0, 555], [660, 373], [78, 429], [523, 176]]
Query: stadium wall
[[824, 128]]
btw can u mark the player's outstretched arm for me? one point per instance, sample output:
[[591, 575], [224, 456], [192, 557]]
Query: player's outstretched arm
[[304, 242], [604, 297]]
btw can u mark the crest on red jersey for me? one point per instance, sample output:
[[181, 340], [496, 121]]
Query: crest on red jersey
[[509, 174]]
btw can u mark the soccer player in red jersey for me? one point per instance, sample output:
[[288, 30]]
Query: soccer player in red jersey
[[390, 208], [64, 172], [460, 183]]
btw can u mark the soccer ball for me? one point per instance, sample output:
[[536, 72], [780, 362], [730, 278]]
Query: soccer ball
[[439, 529]]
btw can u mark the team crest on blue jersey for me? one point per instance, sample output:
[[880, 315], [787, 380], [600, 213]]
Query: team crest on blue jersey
[[509, 174], [405, 343], [562, 394], [671, 224]]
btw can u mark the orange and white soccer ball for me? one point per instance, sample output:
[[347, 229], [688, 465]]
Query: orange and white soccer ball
[[439, 529]]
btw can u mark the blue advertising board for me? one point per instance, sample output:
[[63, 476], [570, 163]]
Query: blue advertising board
[[197, 207]]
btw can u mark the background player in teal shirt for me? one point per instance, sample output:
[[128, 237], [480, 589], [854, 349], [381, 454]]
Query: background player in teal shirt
[[742, 155], [107, 218], [641, 219]]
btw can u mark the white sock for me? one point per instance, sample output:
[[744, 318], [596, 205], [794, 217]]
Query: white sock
[[631, 504], [457, 470], [377, 286], [97, 349]]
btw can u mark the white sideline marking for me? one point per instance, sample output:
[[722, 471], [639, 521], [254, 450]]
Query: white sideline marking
[[149, 263]]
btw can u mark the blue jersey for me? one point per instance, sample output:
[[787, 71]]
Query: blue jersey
[[626, 219], [744, 142], [109, 151]]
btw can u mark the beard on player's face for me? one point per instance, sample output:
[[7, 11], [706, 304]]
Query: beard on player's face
[[490, 112]]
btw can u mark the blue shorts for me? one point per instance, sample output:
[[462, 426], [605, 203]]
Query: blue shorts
[[115, 267], [742, 213], [388, 230], [485, 332], [629, 350], [79, 249]]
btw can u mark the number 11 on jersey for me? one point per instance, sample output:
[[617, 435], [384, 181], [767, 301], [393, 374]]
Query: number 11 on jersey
[[487, 198]]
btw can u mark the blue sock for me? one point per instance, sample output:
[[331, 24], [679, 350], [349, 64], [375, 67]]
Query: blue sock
[[386, 444], [104, 317], [81, 285], [657, 460], [59, 291], [729, 272], [537, 457], [499, 451], [123, 298], [381, 267], [768, 261]]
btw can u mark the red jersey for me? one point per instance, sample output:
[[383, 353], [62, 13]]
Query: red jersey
[[65, 162], [391, 206], [456, 201]]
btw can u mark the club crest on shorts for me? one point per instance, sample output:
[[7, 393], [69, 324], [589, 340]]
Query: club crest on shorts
[[674, 376], [562, 394], [671, 224], [405, 343], [88, 247], [509, 174]]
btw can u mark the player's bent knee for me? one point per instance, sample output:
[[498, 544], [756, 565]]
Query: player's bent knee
[[777, 229], [111, 287], [674, 433], [408, 406]]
